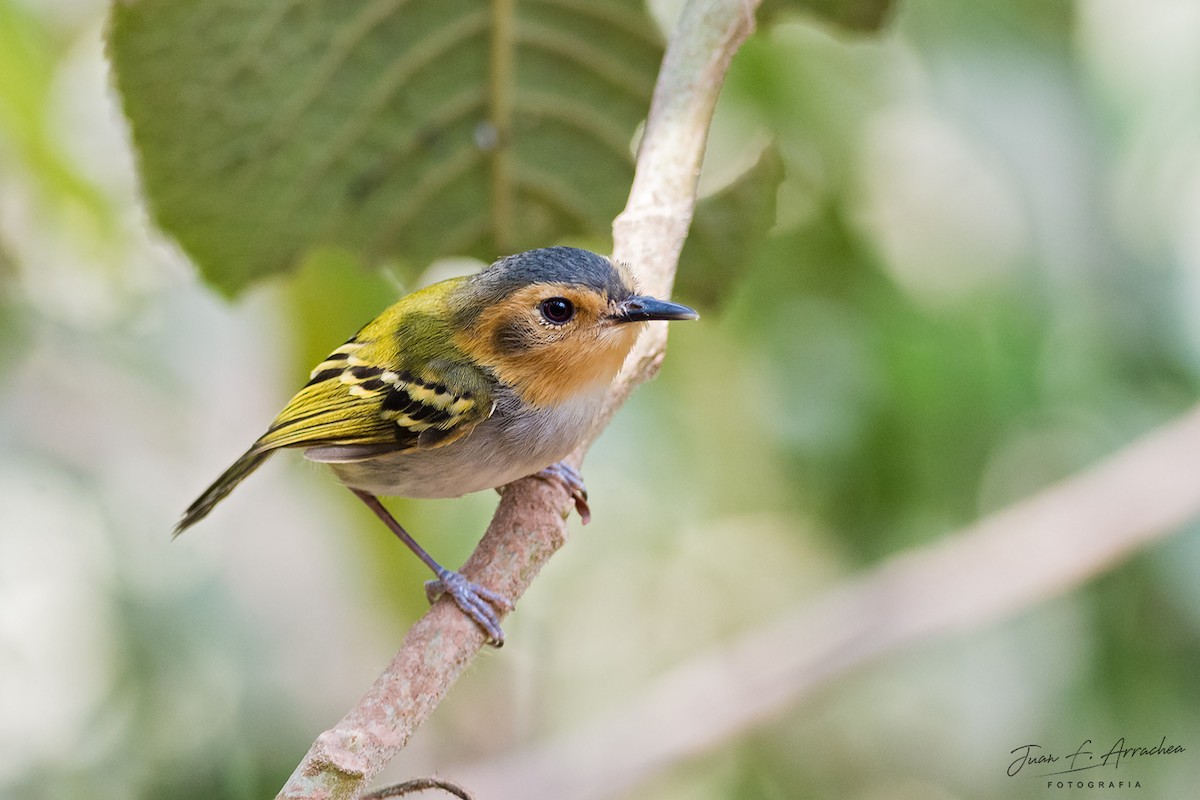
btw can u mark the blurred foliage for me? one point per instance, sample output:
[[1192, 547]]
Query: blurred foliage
[[859, 15], [969, 267], [728, 229], [28, 58]]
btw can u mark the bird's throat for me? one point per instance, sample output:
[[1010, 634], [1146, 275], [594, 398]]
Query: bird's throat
[[563, 371]]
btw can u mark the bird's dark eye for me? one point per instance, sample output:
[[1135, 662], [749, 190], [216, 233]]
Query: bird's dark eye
[[557, 310]]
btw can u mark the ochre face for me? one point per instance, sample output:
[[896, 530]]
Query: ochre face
[[552, 341]]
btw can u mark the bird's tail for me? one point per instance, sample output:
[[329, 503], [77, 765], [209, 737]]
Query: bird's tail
[[222, 486]]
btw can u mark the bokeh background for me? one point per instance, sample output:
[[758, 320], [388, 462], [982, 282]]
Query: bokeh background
[[981, 276]]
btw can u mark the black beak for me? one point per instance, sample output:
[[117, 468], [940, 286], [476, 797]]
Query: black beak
[[644, 309]]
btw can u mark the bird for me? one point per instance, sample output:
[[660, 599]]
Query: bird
[[465, 385]]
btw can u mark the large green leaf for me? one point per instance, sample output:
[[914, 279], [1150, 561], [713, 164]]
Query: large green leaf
[[393, 129]]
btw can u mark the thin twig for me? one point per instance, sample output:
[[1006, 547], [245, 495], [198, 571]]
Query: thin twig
[[418, 785], [529, 525], [1027, 553]]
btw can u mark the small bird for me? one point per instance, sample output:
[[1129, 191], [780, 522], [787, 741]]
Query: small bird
[[468, 384]]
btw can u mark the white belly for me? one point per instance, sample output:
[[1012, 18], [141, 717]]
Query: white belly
[[501, 449]]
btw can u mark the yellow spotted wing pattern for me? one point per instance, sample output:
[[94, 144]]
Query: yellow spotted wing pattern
[[351, 400]]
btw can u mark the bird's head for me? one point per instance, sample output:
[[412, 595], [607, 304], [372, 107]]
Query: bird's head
[[554, 323]]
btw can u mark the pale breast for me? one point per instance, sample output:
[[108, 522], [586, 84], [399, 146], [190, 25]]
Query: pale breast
[[509, 445]]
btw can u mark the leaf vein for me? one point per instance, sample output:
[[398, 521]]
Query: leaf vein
[[587, 58], [385, 87], [580, 116], [624, 18], [434, 180], [336, 53], [557, 195]]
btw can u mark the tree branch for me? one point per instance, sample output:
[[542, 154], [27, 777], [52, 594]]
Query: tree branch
[[530, 523], [1036, 549]]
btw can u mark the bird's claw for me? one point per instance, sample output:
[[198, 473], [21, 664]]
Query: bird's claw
[[567, 476], [477, 602]]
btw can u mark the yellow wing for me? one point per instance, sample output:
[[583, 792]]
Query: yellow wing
[[351, 400], [366, 398]]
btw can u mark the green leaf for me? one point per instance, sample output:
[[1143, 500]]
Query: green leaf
[[855, 15], [728, 229], [395, 130]]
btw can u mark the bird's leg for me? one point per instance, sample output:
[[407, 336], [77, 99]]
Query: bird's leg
[[564, 474], [477, 602]]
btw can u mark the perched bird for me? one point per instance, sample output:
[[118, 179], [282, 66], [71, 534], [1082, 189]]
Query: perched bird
[[468, 384]]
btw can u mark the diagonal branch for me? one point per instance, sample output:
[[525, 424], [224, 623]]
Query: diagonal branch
[[530, 523], [1009, 561]]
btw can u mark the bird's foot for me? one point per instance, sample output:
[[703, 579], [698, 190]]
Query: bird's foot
[[477, 602], [569, 477]]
